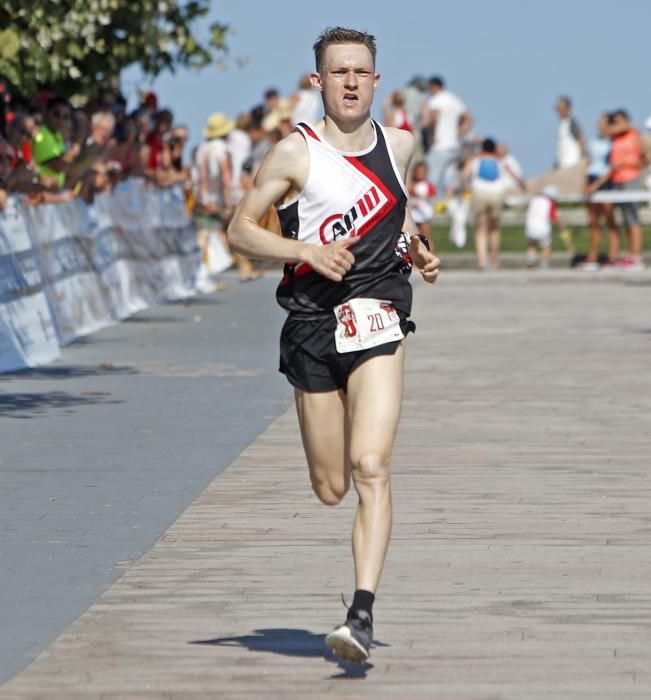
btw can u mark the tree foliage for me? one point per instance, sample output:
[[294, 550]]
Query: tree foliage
[[79, 47]]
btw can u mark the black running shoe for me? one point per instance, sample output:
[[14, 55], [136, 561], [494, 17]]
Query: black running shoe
[[352, 640]]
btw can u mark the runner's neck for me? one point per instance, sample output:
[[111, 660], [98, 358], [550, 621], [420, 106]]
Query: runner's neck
[[345, 137]]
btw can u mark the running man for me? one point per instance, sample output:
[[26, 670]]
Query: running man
[[348, 243]]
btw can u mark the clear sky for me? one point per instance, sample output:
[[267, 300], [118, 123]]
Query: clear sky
[[507, 59]]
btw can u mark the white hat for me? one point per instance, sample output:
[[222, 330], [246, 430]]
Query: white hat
[[647, 123]]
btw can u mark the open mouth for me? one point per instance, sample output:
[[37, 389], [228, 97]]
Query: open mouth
[[350, 98]]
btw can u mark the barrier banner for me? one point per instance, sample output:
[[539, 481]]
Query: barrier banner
[[27, 334], [158, 253], [119, 257], [69, 269], [182, 255], [64, 245]]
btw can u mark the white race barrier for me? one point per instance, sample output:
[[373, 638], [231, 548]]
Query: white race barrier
[[146, 246], [621, 196], [93, 264], [27, 335], [63, 244]]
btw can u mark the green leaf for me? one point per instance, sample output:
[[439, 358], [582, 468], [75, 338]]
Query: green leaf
[[74, 50], [9, 43]]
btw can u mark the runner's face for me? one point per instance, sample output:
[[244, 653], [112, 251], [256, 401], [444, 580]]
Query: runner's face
[[348, 81]]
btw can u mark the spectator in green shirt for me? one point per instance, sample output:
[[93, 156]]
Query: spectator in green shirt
[[49, 146]]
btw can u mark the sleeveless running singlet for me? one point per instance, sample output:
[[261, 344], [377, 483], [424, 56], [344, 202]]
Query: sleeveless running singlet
[[347, 195]]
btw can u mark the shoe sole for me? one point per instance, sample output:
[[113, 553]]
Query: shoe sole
[[345, 646]]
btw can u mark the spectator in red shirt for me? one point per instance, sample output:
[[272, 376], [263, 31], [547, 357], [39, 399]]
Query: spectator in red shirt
[[155, 141], [395, 112], [157, 154]]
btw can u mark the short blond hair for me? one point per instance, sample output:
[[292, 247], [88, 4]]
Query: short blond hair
[[342, 35]]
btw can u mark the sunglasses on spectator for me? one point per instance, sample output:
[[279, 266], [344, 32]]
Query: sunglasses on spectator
[[6, 158]]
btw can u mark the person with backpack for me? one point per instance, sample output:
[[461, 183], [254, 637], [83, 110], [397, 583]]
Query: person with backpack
[[483, 175]]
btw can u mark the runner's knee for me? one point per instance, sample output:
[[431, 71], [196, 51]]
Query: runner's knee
[[371, 468], [327, 491]]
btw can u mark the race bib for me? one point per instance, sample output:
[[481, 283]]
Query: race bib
[[366, 323]]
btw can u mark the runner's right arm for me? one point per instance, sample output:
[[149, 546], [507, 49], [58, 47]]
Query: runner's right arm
[[284, 170]]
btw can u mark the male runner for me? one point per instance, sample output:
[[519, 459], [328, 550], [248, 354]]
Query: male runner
[[339, 190]]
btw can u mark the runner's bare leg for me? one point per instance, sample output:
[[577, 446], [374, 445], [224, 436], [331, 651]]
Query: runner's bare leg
[[374, 399], [322, 418], [374, 403]]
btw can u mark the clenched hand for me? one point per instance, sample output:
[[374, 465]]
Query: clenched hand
[[426, 262], [333, 260]]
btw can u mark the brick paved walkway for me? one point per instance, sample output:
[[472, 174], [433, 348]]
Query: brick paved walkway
[[521, 559]]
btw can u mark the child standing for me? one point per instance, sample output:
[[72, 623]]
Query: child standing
[[421, 193], [541, 214]]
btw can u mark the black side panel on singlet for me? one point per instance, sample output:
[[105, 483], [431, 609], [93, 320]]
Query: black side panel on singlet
[[382, 266]]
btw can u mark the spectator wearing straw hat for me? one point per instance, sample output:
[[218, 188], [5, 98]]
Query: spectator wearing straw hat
[[215, 205], [215, 191], [280, 117], [214, 167]]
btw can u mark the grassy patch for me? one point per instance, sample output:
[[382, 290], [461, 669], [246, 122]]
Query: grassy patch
[[514, 241]]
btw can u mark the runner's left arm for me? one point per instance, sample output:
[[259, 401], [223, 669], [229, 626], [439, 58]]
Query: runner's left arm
[[403, 146], [426, 262]]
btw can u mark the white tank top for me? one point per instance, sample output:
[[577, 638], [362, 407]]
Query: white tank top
[[333, 184]]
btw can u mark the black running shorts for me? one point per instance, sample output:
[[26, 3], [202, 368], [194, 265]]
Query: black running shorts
[[309, 358]]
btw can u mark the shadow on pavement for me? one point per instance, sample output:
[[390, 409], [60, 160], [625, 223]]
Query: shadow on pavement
[[275, 641], [292, 642], [78, 372], [33, 405], [209, 300], [143, 318]]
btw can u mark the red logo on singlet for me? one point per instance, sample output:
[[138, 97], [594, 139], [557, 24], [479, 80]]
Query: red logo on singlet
[[358, 219]]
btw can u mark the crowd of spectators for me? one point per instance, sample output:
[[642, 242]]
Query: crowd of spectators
[[51, 151], [615, 160], [457, 161], [224, 165]]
